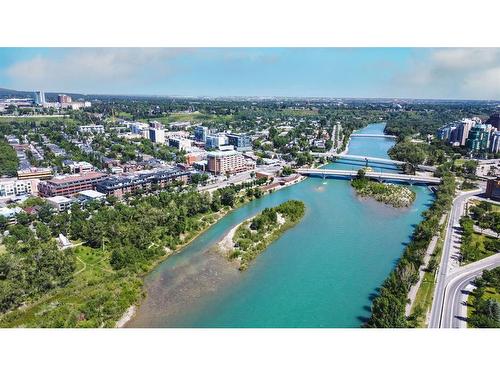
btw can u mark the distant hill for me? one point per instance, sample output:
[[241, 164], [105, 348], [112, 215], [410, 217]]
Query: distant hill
[[50, 96], [8, 93]]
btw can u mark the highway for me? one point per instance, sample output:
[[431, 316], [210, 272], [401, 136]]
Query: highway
[[449, 258], [458, 285]]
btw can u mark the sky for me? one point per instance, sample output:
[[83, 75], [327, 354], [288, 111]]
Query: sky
[[449, 73]]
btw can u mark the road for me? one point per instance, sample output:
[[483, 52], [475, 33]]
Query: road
[[234, 179], [458, 287], [450, 256]]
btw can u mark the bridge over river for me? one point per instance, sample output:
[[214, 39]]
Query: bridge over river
[[379, 176], [374, 135], [368, 159]]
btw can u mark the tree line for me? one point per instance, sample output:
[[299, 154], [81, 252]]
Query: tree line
[[134, 233], [388, 307]]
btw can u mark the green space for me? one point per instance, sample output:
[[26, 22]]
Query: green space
[[477, 246], [96, 297], [425, 294], [93, 285], [300, 112], [8, 159], [33, 120], [253, 236], [193, 117], [484, 302]]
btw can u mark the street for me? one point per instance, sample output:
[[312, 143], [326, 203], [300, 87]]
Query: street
[[450, 257]]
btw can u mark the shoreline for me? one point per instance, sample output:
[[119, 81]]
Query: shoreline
[[226, 244], [126, 318], [247, 253]]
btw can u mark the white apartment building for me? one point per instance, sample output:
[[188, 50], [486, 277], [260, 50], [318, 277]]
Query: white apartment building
[[91, 129], [495, 142], [80, 167], [12, 187], [60, 203], [157, 135]]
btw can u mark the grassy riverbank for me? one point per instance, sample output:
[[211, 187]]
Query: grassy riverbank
[[124, 241], [388, 307], [98, 295], [394, 195], [423, 301], [253, 236], [483, 307]]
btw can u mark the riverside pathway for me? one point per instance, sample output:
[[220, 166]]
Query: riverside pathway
[[412, 294]]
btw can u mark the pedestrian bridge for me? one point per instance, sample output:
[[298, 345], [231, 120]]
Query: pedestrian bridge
[[379, 176]]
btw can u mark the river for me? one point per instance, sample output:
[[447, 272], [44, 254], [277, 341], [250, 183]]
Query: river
[[321, 273]]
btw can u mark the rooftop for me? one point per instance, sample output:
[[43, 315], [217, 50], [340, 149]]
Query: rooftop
[[59, 180], [220, 154], [59, 199], [91, 194]]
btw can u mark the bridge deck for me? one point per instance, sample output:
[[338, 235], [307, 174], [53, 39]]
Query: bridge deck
[[371, 159], [374, 135], [374, 175]]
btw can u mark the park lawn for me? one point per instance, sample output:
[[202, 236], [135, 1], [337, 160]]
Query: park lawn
[[489, 293], [124, 115], [95, 287], [425, 293], [2, 249], [478, 241], [191, 117], [300, 112], [24, 120], [459, 162], [495, 207], [95, 283]]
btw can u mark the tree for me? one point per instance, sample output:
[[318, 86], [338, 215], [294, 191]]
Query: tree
[[361, 173], [43, 231], [3, 222], [387, 312]]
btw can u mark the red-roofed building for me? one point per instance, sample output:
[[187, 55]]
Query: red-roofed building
[[70, 184]]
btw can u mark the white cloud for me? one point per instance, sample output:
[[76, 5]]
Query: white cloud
[[468, 73], [94, 69]]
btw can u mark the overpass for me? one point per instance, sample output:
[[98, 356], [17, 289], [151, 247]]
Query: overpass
[[374, 135], [368, 159], [379, 176]]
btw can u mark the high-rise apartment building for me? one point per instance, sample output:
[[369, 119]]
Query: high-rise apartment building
[[39, 97], [201, 133], [477, 141], [241, 142], [63, 99], [495, 142]]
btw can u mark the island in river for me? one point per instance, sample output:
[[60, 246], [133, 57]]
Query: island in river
[[394, 195], [250, 238]]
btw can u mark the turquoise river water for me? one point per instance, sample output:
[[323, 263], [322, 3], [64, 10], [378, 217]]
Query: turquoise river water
[[321, 273]]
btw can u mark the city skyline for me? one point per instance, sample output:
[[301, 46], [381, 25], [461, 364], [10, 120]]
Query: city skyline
[[420, 73]]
